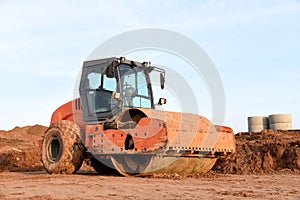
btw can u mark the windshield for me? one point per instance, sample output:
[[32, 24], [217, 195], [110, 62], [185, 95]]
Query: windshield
[[103, 97], [136, 91], [99, 90]]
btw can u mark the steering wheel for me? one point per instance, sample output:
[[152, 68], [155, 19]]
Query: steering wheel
[[129, 91]]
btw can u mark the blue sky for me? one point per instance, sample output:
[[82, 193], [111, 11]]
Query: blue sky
[[255, 46]]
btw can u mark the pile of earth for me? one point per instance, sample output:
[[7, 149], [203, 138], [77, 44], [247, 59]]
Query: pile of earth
[[268, 151], [19, 150], [264, 152]]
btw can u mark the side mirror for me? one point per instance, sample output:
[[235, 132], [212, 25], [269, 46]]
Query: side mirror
[[162, 81], [110, 71], [162, 101]]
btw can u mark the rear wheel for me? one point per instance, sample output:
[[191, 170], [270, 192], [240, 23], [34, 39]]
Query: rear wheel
[[62, 149]]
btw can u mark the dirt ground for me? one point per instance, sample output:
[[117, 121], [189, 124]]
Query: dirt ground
[[38, 185], [265, 166]]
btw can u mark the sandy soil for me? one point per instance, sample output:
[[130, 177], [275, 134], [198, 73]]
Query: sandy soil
[[263, 152], [265, 166], [19, 150], [38, 185]]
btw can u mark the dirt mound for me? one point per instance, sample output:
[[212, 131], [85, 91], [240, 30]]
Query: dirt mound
[[267, 151], [264, 152], [19, 150]]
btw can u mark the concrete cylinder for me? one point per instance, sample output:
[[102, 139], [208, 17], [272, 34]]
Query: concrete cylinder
[[281, 126], [280, 122], [258, 123]]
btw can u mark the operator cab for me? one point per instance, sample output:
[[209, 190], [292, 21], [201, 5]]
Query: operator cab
[[111, 85]]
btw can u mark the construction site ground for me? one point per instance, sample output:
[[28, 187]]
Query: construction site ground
[[265, 166]]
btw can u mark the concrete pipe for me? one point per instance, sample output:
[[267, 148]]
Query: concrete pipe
[[280, 118], [257, 128], [257, 120], [257, 123], [281, 126]]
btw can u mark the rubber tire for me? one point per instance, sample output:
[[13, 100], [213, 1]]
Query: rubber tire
[[69, 149], [103, 166]]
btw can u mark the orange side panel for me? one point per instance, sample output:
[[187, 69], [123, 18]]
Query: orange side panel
[[68, 112], [149, 135], [190, 131]]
